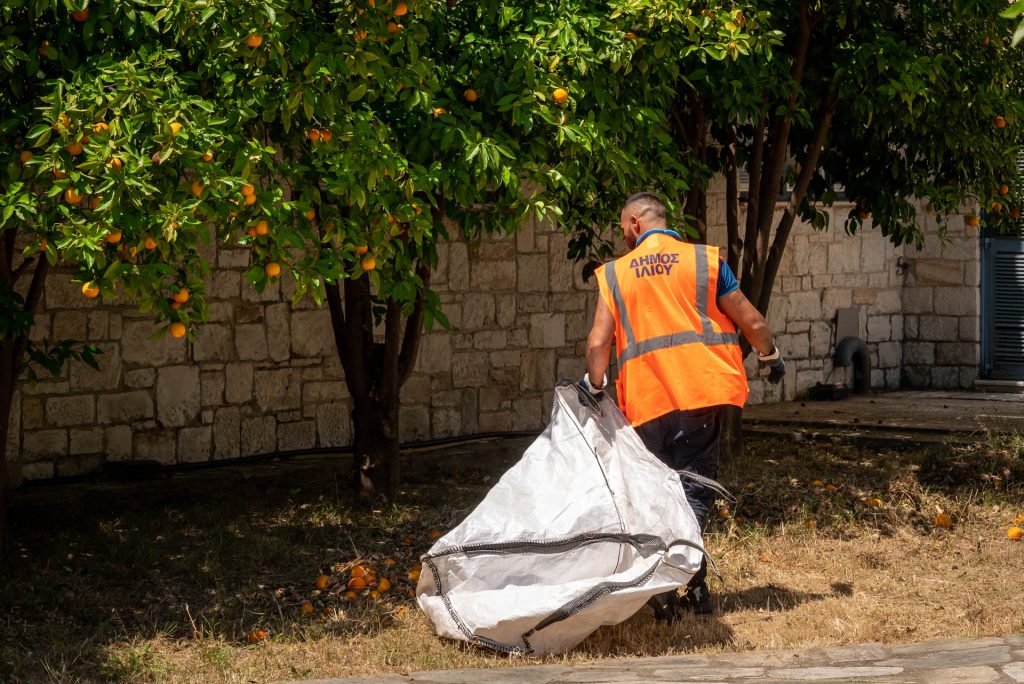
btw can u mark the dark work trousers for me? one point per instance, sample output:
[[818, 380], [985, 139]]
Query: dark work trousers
[[689, 440]]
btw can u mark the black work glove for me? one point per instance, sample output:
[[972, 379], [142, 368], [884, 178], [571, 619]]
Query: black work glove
[[775, 364]]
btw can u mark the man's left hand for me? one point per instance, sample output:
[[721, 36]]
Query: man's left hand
[[596, 392], [775, 364]]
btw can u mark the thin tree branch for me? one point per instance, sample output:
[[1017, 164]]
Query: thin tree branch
[[7, 254], [32, 299], [413, 328], [732, 201], [753, 202]]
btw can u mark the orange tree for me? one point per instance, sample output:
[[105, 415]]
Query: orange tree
[[340, 141]]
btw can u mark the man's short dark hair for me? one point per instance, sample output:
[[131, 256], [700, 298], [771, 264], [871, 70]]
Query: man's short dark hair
[[648, 205]]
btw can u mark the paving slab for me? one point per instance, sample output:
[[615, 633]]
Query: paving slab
[[947, 661], [941, 412]]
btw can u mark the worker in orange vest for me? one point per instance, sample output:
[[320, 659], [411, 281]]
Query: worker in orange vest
[[672, 309]]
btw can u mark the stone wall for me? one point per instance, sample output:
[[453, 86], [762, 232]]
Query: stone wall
[[942, 309], [263, 375]]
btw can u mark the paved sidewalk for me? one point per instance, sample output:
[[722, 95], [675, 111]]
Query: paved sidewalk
[[992, 659]]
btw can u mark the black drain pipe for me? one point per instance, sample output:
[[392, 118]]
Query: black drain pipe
[[853, 350]]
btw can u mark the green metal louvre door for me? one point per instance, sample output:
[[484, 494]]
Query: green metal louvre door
[[1002, 307]]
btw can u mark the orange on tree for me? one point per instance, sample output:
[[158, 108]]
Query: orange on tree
[[560, 96], [254, 40], [362, 249], [1003, 189], [42, 245], [42, 47], [95, 201], [207, 156], [314, 135], [360, 35], [248, 190], [273, 269], [150, 243], [972, 221], [997, 206], [322, 581], [310, 215], [177, 330], [72, 197], [251, 231], [113, 237], [25, 156], [999, 122], [100, 127], [1015, 212], [75, 148], [250, 200], [470, 95], [438, 111], [175, 306], [175, 128], [80, 15], [182, 295], [401, 9], [196, 188], [91, 290], [115, 163], [325, 136], [394, 27], [262, 227], [368, 263]]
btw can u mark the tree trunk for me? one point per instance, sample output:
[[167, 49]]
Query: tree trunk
[[377, 471], [6, 396]]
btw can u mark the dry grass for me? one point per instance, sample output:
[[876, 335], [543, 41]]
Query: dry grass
[[166, 591]]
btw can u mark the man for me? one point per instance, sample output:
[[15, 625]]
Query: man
[[673, 309]]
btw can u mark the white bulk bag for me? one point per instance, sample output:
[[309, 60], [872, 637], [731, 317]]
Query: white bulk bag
[[579, 533]]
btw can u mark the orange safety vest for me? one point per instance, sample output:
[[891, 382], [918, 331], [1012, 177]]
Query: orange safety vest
[[675, 349]]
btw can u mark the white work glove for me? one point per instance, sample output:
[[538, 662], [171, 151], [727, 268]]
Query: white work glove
[[589, 386]]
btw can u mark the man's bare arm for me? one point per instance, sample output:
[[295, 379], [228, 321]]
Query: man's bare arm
[[749, 320], [599, 344]]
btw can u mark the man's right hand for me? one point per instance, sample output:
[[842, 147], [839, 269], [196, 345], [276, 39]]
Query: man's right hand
[[597, 392], [777, 367]]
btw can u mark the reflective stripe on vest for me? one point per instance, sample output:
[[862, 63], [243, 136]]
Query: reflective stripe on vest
[[706, 336]]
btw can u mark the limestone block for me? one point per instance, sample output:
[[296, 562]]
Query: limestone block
[[334, 424], [493, 398], [518, 337], [157, 445], [317, 392], [414, 423], [86, 441], [537, 370], [435, 353], [99, 323], [957, 354], [872, 252], [493, 250], [108, 377], [123, 407], [969, 329], [439, 276], [278, 336], [547, 330], [119, 442], [819, 281], [194, 444], [798, 326], [493, 275], [114, 327], [888, 301], [939, 328], [79, 466], [844, 257], [37, 471], [248, 313], [561, 269], [570, 368], [497, 421], [835, 298], [879, 328], [40, 328], [944, 377], [914, 376], [533, 303], [213, 343], [956, 301], [506, 359], [478, 311], [226, 433], [795, 346], [238, 382], [911, 327], [505, 305], [490, 339], [70, 325], [917, 300], [936, 272], [44, 443], [278, 390], [312, 333], [222, 312], [525, 234], [259, 435], [533, 273], [177, 395], [251, 342], [296, 436], [211, 388], [972, 273], [137, 348], [227, 285], [14, 428], [865, 296], [447, 398], [889, 354], [233, 258], [74, 410], [805, 306], [458, 267], [271, 293], [60, 292], [469, 369], [527, 413], [968, 375], [445, 422], [919, 353], [819, 339]]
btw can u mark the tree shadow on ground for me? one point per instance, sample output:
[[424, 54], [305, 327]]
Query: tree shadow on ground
[[775, 598]]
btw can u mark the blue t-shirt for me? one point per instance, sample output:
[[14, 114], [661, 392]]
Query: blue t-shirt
[[726, 278]]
